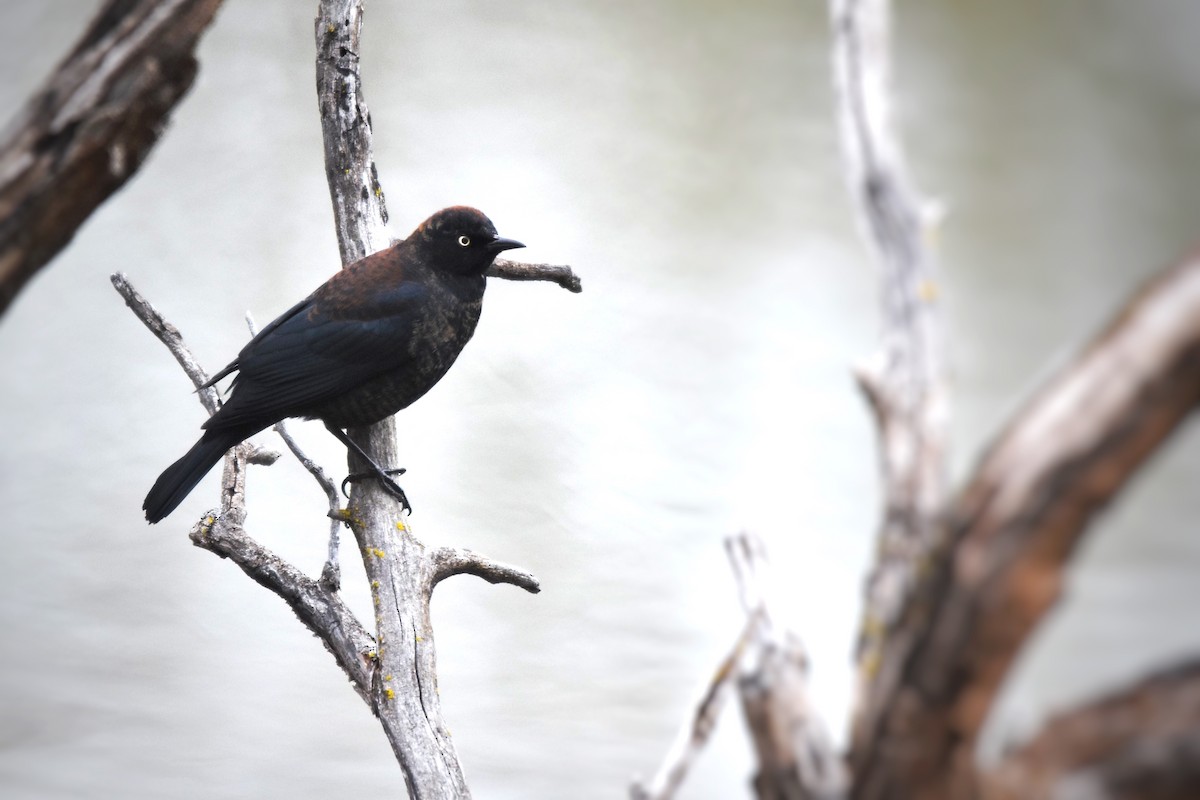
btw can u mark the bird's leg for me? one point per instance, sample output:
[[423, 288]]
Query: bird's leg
[[373, 471]]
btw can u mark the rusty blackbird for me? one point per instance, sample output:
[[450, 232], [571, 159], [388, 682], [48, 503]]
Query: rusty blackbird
[[370, 341]]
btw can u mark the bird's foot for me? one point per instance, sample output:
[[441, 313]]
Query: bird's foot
[[385, 479]]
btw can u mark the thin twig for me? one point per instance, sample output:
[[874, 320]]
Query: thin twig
[[169, 335], [331, 572], [747, 558]]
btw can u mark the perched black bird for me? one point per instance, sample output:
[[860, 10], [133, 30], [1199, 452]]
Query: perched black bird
[[369, 342]]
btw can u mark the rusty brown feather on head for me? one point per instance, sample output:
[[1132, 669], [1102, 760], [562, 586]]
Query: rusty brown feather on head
[[453, 217]]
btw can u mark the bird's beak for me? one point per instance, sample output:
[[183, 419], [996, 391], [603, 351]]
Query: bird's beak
[[500, 244]]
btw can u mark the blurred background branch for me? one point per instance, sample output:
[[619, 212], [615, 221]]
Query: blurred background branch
[[1013, 529], [905, 381], [90, 127]]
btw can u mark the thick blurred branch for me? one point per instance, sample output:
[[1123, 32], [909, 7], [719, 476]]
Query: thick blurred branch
[[1015, 525], [954, 594], [1141, 742], [88, 130]]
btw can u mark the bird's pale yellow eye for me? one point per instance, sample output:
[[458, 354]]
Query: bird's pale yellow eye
[[465, 241]]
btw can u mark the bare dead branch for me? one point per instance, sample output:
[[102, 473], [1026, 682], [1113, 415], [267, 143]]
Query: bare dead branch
[[904, 383], [91, 126], [261, 457], [447, 561], [1143, 741], [1014, 526], [319, 475], [951, 599], [404, 679], [394, 672], [561, 274], [317, 606]]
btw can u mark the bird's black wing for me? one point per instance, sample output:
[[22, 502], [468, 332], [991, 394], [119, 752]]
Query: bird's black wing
[[235, 365], [310, 356]]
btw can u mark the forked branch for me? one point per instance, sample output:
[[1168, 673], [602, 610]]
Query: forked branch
[[318, 606]]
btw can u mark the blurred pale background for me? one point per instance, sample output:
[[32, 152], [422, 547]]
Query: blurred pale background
[[682, 156]]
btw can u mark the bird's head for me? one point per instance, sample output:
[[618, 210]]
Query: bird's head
[[462, 240]]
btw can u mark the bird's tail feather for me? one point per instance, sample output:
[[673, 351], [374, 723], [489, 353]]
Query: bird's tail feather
[[178, 480]]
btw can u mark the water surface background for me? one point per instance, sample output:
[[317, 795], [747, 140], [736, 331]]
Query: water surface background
[[683, 157]]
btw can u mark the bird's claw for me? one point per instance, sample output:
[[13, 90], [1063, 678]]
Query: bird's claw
[[389, 485], [393, 488]]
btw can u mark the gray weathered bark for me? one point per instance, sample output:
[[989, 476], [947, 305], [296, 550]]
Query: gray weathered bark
[[959, 584], [403, 689], [402, 575]]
